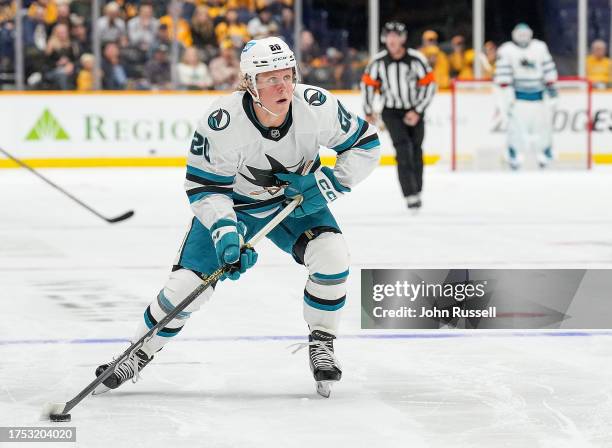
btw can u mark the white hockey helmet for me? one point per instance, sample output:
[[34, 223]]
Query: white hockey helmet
[[522, 34], [265, 55]]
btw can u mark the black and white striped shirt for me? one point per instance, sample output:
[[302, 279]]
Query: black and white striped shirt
[[405, 84]]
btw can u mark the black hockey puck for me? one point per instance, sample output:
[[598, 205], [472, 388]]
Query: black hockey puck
[[60, 417]]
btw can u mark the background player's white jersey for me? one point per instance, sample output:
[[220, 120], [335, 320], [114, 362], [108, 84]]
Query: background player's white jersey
[[233, 158], [527, 69]]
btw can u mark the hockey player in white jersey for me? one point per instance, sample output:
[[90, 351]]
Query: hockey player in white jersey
[[252, 150], [525, 75]]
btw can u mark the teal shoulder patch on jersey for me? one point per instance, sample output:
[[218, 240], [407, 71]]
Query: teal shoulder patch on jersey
[[219, 120], [314, 97]]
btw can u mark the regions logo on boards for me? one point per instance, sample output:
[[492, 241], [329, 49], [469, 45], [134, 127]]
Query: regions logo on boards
[[47, 127], [219, 120]]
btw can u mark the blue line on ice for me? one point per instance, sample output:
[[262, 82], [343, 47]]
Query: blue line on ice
[[428, 335]]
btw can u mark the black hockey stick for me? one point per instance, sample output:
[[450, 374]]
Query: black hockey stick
[[119, 218], [59, 412]]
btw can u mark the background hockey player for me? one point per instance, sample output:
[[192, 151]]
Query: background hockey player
[[526, 74], [254, 149]]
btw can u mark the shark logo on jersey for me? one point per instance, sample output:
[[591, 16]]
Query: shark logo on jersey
[[314, 97], [219, 120], [526, 63], [266, 178], [275, 133]]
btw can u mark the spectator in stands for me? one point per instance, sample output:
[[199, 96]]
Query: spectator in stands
[[244, 8], [188, 8], [7, 10], [263, 25], [85, 78], [192, 73], [60, 58], [308, 46], [441, 73], [216, 9], [163, 38], [203, 33], [81, 7], [80, 37], [598, 65], [113, 73], [63, 14], [461, 60], [129, 8], [225, 68], [310, 51], [158, 70], [342, 75], [7, 39], [111, 27], [488, 59], [275, 6], [183, 30], [231, 29], [142, 29], [436, 57], [35, 31], [50, 8], [286, 26]]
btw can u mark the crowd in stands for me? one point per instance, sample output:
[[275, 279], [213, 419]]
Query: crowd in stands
[[139, 37], [457, 61]]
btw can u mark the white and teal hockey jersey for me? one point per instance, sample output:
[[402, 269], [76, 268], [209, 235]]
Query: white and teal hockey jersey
[[528, 70], [233, 158]]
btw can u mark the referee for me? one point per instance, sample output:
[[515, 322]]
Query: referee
[[406, 84]]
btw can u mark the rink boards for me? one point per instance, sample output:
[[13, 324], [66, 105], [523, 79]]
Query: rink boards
[[54, 129]]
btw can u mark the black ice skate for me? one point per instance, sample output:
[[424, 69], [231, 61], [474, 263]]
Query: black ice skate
[[414, 202], [323, 363], [129, 369]]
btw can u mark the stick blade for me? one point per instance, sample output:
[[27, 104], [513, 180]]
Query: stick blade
[[120, 218], [52, 408]]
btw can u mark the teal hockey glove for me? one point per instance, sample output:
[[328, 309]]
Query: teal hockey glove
[[318, 189], [228, 238]]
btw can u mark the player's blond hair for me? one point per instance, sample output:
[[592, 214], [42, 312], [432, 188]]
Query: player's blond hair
[[244, 85]]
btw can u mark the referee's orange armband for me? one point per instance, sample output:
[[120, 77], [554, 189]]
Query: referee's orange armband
[[428, 79]]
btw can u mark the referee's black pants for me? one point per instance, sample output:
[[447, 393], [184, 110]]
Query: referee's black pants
[[407, 141]]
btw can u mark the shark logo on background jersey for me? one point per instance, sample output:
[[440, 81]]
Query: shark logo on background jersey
[[526, 63], [219, 120], [314, 97], [266, 178]]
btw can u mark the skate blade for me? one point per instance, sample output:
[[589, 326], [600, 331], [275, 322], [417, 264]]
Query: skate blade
[[324, 388], [100, 389]]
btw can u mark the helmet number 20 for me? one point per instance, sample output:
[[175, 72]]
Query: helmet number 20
[[275, 47]]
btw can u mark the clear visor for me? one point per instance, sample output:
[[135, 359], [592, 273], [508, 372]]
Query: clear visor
[[268, 79]]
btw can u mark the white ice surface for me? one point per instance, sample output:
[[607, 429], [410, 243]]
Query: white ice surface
[[66, 277]]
